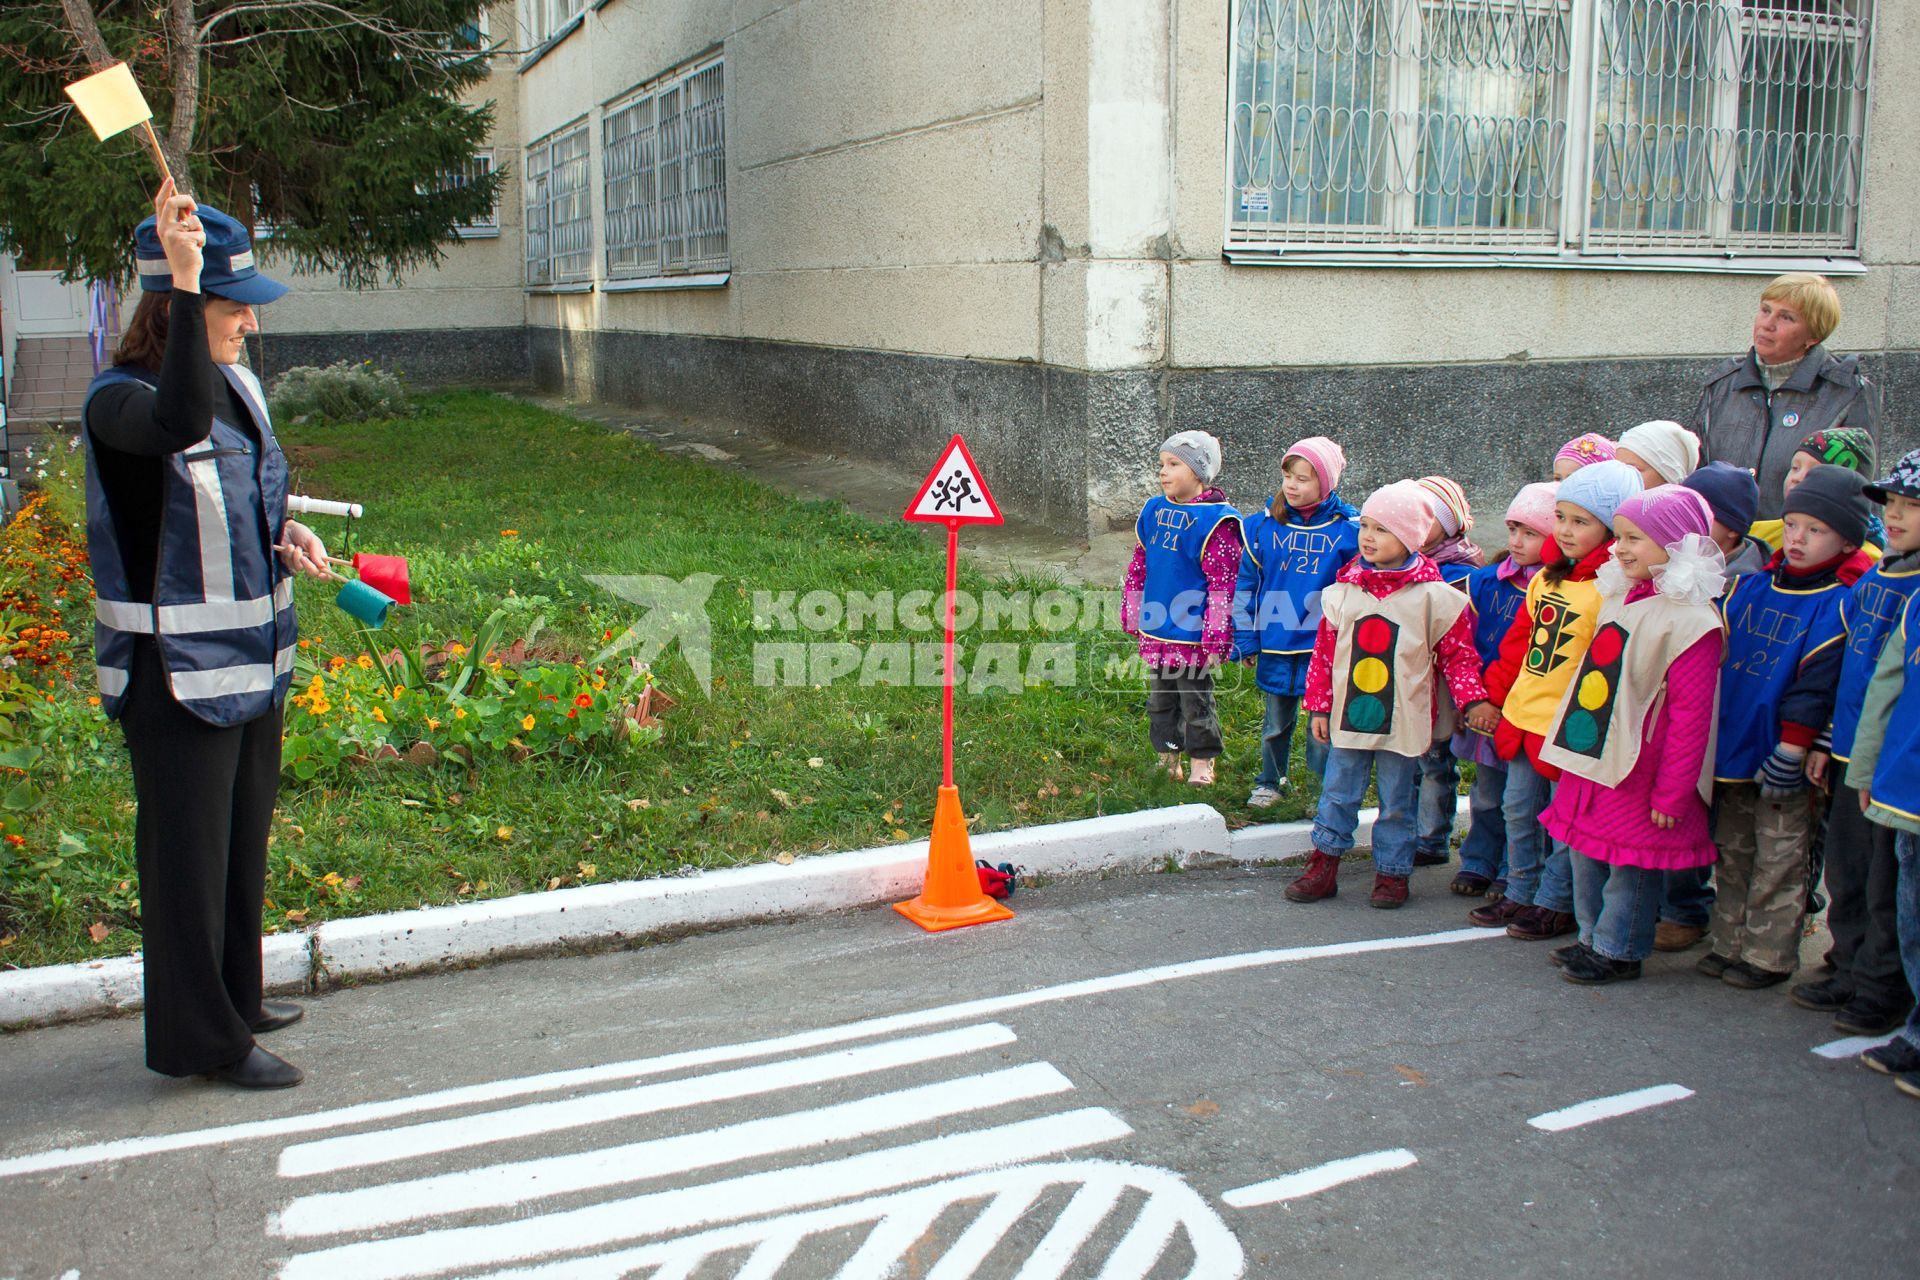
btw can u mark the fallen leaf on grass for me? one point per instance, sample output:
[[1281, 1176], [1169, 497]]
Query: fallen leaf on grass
[[98, 931], [641, 803], [784, 859], [815, 762], [1418, 1079], [786, 801], [505, 833], [296, 917], [899, 833], [1204, 1107]]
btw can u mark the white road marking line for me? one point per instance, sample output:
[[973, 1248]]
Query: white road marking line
[[1618, 1104], [333, 1213], [764, 1263], [1135, 1256], [1852, 1046], [1320, 1177], [682, 1208], [120, 1149], [382, 1146], [1075, 1225], [878, 1257], [1010, 1192]]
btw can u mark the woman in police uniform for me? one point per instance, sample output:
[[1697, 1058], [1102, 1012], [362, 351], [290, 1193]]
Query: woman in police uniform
[[194, 631]]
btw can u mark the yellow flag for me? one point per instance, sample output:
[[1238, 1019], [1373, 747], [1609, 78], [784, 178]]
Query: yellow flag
[[110, 101]]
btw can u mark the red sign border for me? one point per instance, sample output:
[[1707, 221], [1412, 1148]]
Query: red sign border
[[958, 442]]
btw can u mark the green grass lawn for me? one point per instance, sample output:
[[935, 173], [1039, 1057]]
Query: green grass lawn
[[747, 774]]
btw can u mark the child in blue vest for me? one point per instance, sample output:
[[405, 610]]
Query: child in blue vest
[[1885, 773], [1497, 592], [1436, 800], [1178, 599], [1294, 547], [1784, 650], [1867, 993]]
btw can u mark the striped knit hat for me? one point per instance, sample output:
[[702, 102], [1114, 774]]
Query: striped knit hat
[[1449, 505]]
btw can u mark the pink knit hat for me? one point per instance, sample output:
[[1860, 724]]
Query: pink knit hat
[[1668, 513], [1533, 506], [1404, 509], [1327, 459], [1591, 447], [1449, 505]]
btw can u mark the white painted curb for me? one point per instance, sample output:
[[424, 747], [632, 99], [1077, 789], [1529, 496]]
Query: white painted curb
[[1188, 835]]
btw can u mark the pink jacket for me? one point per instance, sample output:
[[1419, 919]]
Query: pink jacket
[[1221, 564], [1614, 824], [1457, 661]]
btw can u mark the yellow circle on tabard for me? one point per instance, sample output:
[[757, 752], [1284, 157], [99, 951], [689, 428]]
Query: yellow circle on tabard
[[1370, 675], [1539, 635], [1593, 690]]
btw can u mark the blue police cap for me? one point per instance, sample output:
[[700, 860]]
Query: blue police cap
[[226, 259]]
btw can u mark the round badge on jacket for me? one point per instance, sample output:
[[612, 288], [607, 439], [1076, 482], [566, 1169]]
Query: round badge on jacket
[[1791, 420]]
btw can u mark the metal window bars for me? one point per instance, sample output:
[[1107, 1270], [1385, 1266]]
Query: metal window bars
[[488, 224], [570, 216], [539, 259], [1548, 127], [664, 173]]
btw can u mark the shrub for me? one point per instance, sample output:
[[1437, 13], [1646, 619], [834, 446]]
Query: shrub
[[342, 392]]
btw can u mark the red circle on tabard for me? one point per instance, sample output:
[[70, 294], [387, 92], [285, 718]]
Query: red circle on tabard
[[1374, 635], [1606, 646], [1547, 613]]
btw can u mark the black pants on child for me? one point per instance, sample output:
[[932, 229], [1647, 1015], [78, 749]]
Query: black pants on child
[[206, 797], [1861, 874], [1180, 713]]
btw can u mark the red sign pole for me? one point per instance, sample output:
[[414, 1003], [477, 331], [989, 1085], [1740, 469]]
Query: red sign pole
[[953, 580]]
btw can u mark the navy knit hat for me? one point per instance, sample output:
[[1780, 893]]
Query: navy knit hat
[[1904, 480], [1836, 498], [1731, 491], [226, 261]]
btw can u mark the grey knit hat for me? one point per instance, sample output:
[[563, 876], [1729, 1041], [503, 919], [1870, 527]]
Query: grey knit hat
[[1198, 450]]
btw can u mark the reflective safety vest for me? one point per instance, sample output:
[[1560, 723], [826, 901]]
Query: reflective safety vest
[[1173, 605], [222, 601]]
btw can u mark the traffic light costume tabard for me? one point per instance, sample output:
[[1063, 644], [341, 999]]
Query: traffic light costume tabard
[[1384, 684], [1174, 537]]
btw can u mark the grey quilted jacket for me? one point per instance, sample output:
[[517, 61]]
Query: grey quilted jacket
[[1739, 421]]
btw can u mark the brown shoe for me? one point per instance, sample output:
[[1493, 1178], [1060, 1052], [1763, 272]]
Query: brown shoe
[[1495, 915], [1537, 924], [1388, 891], [1668, 936], [1318, 881]]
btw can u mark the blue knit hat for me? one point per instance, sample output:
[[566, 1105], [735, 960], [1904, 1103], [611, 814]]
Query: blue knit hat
[[1600, 488], [226, 261], [1731, 491]]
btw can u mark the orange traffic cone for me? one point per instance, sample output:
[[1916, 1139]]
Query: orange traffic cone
[[951, 898]]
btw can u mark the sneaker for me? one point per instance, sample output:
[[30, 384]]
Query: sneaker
[[1469, 885], [1431, 858], [1559, 956], [1829, 995], [1751, 977], [1318, 881], [1495, 915], [1865, 1016], [1388, 893], [1263, 797], [1589, 968], [1894, 1058], [1670, 935], [1537, 924], [1712, 965]]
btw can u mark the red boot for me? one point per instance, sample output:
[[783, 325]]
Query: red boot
[[1388, 891], [1318, 881]]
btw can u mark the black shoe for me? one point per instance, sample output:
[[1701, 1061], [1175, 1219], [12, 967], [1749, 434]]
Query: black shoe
[[1894, 1058], [1829, 995], [1712, 965], [1469, 885], [275, 1014], [1865, 1016], [1421, 858], [1751, 977], [1591, 969], [259, 1070], [1559, 956]]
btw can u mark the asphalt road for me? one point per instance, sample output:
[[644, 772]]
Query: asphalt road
[[1154, 1077]]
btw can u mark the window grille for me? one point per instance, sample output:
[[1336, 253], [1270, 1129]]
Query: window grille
[[488, 223], [1547, 128], [559, 210], [664, 170]]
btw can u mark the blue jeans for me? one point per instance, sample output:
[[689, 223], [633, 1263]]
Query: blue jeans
[[1276, 741], [1539, 871], [1437, 788], [1484, 851], [1341, 792], [1906, 910], [1686, 896], [1617, 906]]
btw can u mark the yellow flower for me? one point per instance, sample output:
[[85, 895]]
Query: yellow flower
[[456, 648], [379, 715], [432, 723], [459, 713], [364, 662], [527, 723]]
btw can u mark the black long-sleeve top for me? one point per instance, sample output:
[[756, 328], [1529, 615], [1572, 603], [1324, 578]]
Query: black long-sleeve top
[[133, 427]]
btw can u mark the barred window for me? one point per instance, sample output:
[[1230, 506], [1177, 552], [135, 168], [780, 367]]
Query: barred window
[[559, 210], [664, 169], [1581, 131], [488, 223], [545, 17]]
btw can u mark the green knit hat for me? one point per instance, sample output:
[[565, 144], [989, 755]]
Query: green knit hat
[[1849, 447]]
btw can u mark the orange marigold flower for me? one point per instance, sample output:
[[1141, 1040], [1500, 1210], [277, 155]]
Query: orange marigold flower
[[13, 839], [509, 533], [337, 663], [583, 700], [527, 723]]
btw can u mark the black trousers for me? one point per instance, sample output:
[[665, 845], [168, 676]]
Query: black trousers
[[1861, 875], [206, 797], [1180, 710]]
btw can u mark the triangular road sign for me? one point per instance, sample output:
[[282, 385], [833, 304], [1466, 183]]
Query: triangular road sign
[[953, 492]]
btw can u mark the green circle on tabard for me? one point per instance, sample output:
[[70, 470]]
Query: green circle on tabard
[[1581, 732], [1367, 714]]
